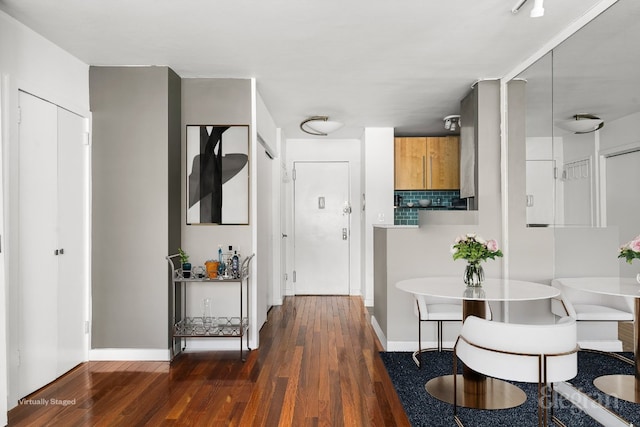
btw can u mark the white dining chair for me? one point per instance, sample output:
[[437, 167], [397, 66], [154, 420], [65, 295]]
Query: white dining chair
[[439, 310], [542, 354], [589, 306]]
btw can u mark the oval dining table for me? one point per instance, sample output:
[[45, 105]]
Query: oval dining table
[[478, 391]]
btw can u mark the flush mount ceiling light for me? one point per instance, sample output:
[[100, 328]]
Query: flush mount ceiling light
[[536, 12], [582, 123], [452, 122], [319, 125]]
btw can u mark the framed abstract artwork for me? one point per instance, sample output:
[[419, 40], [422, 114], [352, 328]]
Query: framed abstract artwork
[[217, 174]]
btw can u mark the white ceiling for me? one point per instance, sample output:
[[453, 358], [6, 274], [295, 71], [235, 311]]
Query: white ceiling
[[368, 63]]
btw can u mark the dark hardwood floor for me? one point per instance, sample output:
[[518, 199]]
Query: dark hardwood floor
[[317, 365]]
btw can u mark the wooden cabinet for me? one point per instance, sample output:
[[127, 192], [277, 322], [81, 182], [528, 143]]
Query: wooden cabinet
[[427, 163]]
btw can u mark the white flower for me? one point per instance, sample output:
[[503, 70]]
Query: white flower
[[453, 249], [480, 240], [471, 235]]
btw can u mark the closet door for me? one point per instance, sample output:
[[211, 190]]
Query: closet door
[[72, 298], [38, 264], [52, 255]]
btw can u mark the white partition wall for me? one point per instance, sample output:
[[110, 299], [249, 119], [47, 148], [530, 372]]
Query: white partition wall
[[30, 63]]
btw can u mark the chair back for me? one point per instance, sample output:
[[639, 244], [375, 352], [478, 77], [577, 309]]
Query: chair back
[[518, 352], [424, 301]]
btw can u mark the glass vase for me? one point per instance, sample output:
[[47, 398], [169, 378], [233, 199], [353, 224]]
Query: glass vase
[[638, 278], [473, 274]]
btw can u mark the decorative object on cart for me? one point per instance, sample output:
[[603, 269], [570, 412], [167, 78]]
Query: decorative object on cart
[[217, 174], [474, 249], [424, 202], [212, 269], [206, 313], [630, 251], [185, 264], [199, 272]]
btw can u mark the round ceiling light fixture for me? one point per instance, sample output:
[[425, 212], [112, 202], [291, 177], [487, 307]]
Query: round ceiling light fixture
[[319, 125], [582, 123]]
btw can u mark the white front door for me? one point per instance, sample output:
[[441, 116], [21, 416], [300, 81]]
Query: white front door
[[321, 228]]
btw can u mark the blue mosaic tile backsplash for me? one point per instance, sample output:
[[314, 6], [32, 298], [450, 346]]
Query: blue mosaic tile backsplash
[[409, 216]]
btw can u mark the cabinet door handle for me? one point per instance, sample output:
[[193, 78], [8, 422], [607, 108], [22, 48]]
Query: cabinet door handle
[[61, 251], [56, 252], [430, 171], [424, 172]]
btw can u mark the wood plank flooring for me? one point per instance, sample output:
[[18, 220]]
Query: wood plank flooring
[[317, 365]]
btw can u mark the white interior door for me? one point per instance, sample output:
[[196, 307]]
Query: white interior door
[[321, 228], [72, 298], [38, 266]]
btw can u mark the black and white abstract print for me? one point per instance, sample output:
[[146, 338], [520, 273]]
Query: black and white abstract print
[[217, 174]]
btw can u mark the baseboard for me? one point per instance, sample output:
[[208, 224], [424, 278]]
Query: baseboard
[[602, 345], [133, 354], [378, 330]]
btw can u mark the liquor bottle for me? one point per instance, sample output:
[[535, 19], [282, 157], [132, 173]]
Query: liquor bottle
[[235, 265], [220, 261]]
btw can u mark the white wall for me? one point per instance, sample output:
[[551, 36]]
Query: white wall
[[31, 63], [378, 178], [347, 150]]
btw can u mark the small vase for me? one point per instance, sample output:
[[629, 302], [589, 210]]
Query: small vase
[[186, 270], [473, 274]]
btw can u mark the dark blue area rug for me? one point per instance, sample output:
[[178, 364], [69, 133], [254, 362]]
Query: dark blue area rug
[[424, 410]]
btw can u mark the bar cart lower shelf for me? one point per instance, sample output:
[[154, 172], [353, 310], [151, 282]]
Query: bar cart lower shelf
[[184, 327], [198, 327]]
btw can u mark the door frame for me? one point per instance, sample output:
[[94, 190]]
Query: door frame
[[10, 247], [316, 150], [349, 225]]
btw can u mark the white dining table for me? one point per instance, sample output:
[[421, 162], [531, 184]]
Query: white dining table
[[625, 387], [479, 391]]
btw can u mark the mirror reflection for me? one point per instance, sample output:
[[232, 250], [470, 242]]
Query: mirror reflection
[[583, 150]]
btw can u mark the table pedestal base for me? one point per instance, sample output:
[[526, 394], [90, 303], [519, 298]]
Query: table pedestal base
[[625, 387], [490, 393]]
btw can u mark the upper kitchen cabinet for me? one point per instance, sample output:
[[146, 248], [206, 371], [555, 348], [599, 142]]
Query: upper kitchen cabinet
[[427, 163]]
